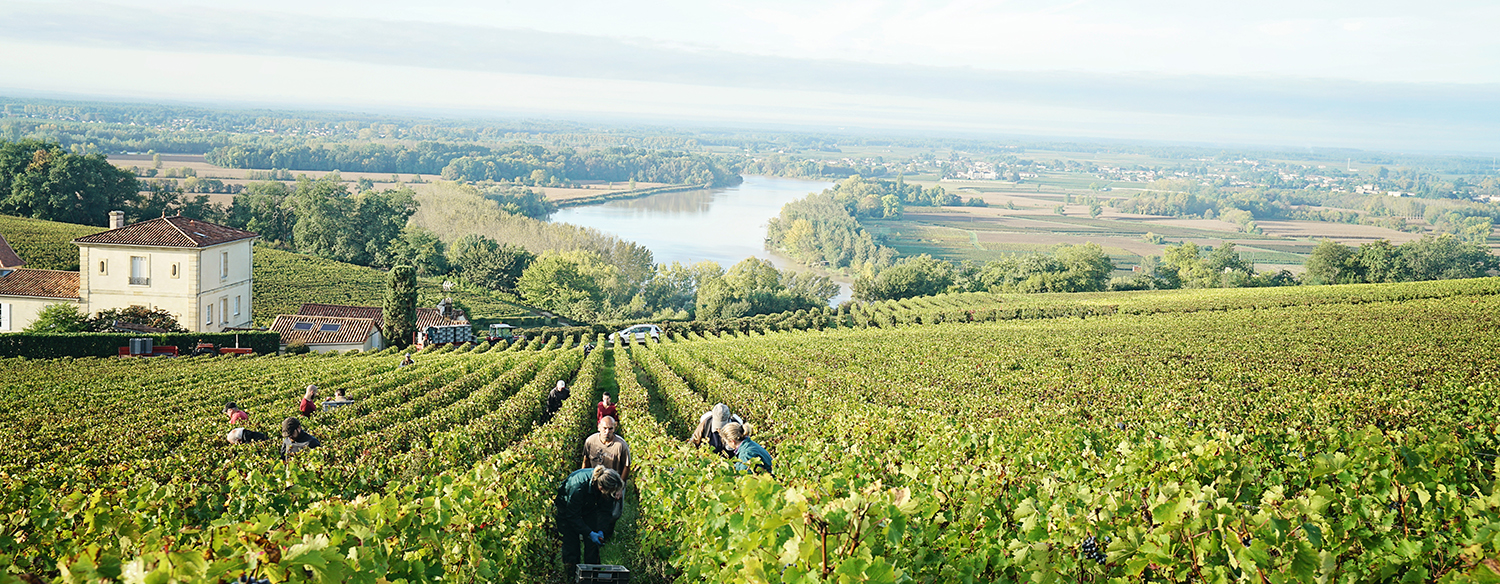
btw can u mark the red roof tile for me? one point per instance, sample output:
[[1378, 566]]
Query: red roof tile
[[350, 330], [426, 317], [371, 312], [176, 231], [8, 257], [39, 283]]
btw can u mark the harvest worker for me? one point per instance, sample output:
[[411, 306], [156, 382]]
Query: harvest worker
[[555, 400], [406, 361], [244, 436], [236, 415], [309, 403], [751, 456], [294, 439], [708, 428], [609, 450], [605, 408], [584, 504], [338, 399]]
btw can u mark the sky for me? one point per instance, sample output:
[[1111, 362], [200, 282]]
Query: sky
[[1369, 74]]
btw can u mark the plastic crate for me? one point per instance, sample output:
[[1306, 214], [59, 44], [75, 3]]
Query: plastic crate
[[597, 573]]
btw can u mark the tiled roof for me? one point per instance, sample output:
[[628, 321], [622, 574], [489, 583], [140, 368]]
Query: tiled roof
[[8, 257], [351, 330], [176, 231], [427, 317], [371, 312], [39, 283]]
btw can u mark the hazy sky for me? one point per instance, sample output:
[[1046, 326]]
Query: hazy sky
[[1378, 74]]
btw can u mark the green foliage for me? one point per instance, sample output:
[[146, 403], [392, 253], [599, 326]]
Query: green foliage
[[264, 208], [420, 249], [357, 229], [422, 158], [1430, 258], [1338, 438], [152, 317], [1069, 268], [399, 312], [42, 181], [536, 165], [521, 201], [910, 276], [819, 230], [43, 245], [88, 344], [62, 317], [754, 286], [575, 284], [481, 261], [454, 212]]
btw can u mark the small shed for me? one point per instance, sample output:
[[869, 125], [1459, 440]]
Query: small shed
[[328, 333]]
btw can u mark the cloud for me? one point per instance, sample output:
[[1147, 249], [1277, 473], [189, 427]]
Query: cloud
[[210, 53]]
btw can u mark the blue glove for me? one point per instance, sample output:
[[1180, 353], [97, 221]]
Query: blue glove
[[597, 537]]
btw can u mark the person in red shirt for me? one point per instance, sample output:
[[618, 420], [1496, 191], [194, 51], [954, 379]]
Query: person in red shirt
[[606, 408], [236, 415], [309, 403]]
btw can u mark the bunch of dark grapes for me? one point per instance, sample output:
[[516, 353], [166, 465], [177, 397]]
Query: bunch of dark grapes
[[248, 580], [1091, 550]]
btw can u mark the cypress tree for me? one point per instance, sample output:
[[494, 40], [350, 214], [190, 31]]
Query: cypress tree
[[400, 316]]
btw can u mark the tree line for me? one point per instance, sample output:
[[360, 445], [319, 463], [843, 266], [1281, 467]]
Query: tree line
[[42, 181], [823, 229], [420, 158], [536, 165], [1181, 198]]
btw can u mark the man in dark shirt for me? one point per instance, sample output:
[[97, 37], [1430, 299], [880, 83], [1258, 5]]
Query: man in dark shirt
[[584, 505], [294, 439]]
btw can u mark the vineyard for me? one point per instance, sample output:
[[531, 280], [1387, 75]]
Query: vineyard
[[1344, 434]]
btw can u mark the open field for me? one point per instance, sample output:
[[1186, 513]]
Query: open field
[[988, 233], [1290, 435]]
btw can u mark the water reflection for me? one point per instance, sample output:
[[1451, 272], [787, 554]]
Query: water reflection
[[724, 225]]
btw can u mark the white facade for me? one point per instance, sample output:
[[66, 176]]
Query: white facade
[[18, 312], [208, 289]]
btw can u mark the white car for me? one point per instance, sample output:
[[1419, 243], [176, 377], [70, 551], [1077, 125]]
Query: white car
[[639, 332]]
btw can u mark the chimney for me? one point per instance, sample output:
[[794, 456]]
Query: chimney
[[116, 219]]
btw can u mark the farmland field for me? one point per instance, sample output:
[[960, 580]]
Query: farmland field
[[1339, 433], [1021, 219]]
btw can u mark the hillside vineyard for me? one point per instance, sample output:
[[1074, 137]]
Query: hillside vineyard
[[1342, 433]]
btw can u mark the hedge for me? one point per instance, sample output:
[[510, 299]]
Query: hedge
[[54, 345]]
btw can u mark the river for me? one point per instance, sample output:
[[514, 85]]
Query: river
[[723, 225]]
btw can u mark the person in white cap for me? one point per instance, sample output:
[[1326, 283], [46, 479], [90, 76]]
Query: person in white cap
[[708, 428], [244, 436], [555, 400]]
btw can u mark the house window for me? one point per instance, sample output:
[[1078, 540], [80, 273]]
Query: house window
[[140, 271], [236, 305], [4, 316], [223, 265], [328, 328], [224, 309], [208, 314], [103, 267], [175, 269], [302, 326]]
